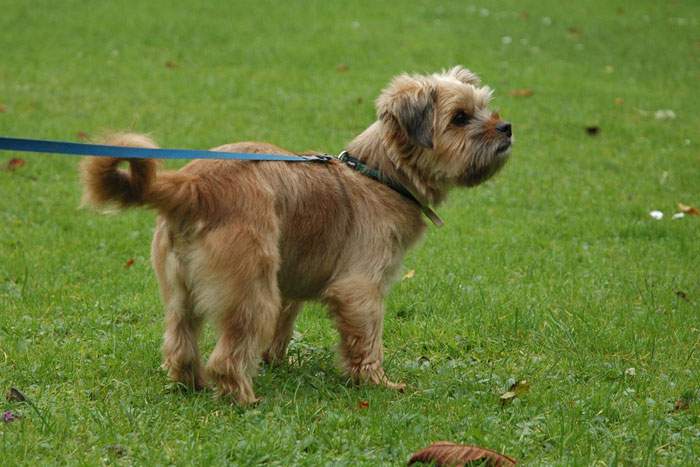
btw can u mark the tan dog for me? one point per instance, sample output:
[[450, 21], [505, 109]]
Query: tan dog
[[244, 244]]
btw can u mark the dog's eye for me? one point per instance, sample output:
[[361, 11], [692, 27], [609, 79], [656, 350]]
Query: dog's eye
[[460, 118]]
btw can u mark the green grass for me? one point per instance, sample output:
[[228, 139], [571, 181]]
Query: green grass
[[554, 272]]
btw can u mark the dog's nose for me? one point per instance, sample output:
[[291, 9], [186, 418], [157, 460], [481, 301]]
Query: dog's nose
[[504, 127]]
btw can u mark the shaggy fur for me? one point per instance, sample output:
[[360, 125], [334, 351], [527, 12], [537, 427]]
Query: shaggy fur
[[244, 244]]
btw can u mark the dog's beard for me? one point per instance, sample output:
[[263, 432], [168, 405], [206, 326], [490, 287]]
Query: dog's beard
[[487, 164]]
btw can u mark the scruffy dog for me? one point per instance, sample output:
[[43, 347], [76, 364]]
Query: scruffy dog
[[244, 244]]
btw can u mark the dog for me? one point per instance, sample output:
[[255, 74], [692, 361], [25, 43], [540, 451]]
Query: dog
[[244, 244]]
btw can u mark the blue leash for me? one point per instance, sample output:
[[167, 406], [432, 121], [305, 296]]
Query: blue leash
[[83, 149]]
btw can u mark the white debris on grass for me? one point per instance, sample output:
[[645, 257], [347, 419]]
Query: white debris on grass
[[665, 114], [658, 215]]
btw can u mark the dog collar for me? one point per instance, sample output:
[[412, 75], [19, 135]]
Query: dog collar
[[377, 175]]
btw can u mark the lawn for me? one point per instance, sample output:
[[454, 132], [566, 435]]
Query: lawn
[[554, 272]]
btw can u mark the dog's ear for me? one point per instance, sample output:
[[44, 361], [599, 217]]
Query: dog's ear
[[407, 106], [463, 75]]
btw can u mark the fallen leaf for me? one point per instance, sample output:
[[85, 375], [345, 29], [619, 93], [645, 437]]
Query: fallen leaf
[[82, 136], [363, 405], [521, 92], [574, 32], [129, 262], [170, 64], [520, 387], [524, 15], [409, 274], [508, 396], [690, 210], [14, 164], [593, 130], [15, 395], [447, 453], [619, 101], [3, 109], [682, 295], [681, 404], [342, 68]]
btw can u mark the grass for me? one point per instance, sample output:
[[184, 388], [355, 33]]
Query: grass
[[554, 272]]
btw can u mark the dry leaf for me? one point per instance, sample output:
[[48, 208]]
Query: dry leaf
[[524, 15], [3, 109], [130, 262], [520, 387], [82, 136], [574, 32], [342, 68], [681, 404], [619, 101], [516, 389], [508, 396], [593, 130], [690, 210], [170, 64], [522, 92], [15, 395], [363, 405], [409, 274], [14, 164], [447, 453]]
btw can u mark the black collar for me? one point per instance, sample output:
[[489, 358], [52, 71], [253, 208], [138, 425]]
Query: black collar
[[375, 174], [395, 185]]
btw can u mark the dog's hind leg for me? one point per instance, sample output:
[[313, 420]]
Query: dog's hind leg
[[245, 308], [182, 326], [283, 332], [356, 307]]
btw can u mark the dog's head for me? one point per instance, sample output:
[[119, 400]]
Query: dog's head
[[440, 128]]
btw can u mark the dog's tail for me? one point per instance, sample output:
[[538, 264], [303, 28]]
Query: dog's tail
[[104, 183]]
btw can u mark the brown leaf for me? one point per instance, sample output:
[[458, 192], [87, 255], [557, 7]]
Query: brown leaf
[[447, 453], [681, 404], [592, 130], [129, 262], [690, 210], [82, 136], [521, 92], [342, 68], [524, 15], [619, 101], [574, 32], [15, 395], [14, 164], [363, 405], [520, 387], [3, 109], [170, 64]]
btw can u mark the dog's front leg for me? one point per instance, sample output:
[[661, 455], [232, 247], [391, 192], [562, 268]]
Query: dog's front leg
[[357, 308]]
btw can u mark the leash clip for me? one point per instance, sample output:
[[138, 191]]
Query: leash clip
[[319, 158]]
